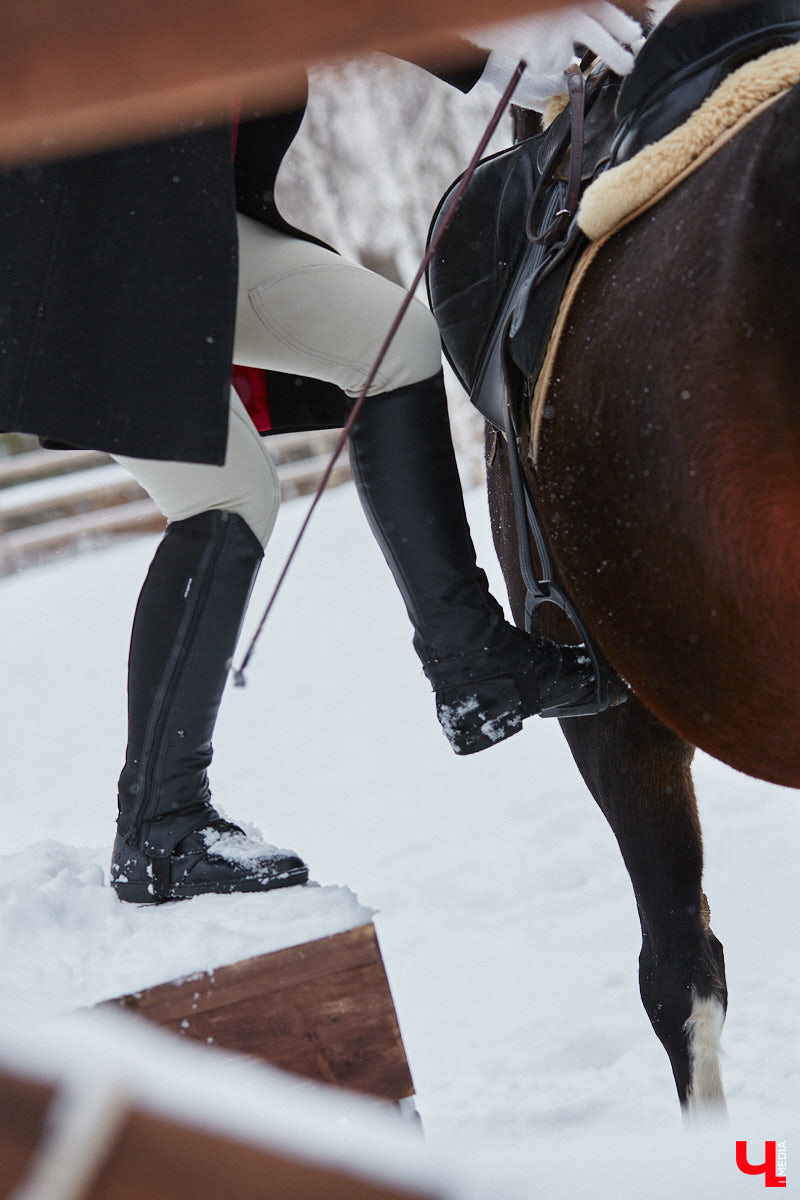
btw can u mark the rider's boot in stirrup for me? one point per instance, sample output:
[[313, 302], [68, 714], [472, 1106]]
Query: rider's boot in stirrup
[[488, 676], [171, 842]]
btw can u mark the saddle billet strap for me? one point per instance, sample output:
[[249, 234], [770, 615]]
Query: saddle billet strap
[[538, 285], [543, 587], [557, 228]]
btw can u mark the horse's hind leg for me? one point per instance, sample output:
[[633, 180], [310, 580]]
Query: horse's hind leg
[[640, 775]]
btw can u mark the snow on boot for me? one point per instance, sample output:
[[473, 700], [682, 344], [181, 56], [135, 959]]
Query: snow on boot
[[217, 857], [171, 843], [484, 697]]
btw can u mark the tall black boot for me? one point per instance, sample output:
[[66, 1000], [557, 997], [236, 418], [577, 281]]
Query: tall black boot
[[171, 843], [488, 676]]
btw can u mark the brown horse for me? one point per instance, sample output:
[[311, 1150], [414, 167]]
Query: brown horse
[[668, 482]]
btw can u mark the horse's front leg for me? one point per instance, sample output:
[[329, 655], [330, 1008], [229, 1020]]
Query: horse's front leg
[[640, 775]]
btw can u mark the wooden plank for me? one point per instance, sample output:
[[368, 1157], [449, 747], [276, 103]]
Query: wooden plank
[[88, 493], [91, 73], [45, 464], [33, 465], [38, 543], [323, 1010], [35, 529], [139, 515], [23, 1105], [303, 476], [81, 494]]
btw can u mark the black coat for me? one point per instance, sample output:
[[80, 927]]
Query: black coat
[[118, 291]]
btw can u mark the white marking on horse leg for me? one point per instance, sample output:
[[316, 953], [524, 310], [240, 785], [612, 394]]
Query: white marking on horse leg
[[704, 1030]]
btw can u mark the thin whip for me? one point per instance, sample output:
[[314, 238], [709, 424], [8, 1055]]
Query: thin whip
[[238, 674]]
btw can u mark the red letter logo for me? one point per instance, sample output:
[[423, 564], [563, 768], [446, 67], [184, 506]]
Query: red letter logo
[[767, 1168]]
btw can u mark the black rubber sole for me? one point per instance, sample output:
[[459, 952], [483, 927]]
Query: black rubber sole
[[141, 891]]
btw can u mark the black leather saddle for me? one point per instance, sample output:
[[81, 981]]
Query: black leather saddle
[[495, 282]]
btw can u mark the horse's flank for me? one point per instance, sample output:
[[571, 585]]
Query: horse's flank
[[669, 465]]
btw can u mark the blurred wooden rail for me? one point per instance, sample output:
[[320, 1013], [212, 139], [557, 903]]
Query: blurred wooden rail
[[91, 73], [59, 502], [151, 1157]]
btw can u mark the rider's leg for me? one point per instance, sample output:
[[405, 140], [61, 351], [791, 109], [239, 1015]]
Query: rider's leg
[[488, 675], [171, 842], [303, 309]]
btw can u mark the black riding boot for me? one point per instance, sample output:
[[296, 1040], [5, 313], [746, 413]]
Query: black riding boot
[[488, 675], [171, 843]]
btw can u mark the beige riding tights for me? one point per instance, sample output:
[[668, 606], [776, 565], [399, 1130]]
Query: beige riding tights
[[306, 311]]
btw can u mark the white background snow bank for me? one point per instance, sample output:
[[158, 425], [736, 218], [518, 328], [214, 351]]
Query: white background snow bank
[[505, 916]]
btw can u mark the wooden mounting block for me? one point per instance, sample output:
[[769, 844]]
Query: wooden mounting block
[[323, 1010]]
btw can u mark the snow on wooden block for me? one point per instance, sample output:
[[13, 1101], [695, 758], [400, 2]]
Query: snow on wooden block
[[292, 976], [323, 1010], [72, 917]]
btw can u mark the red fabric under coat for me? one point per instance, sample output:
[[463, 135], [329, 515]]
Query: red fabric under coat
[[250, 384]]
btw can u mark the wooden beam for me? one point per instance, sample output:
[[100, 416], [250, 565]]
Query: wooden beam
[[80, 74], [323, 1010]]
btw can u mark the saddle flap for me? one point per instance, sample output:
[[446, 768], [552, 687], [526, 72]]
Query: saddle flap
[[468, 277], [479, 282]]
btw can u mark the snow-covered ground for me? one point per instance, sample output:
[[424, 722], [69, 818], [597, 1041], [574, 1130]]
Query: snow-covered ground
[[505, 916]]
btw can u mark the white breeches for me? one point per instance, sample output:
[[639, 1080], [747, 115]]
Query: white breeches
[[306, 311]]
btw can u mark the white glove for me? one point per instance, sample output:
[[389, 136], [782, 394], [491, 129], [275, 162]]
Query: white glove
[[547, 44]]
